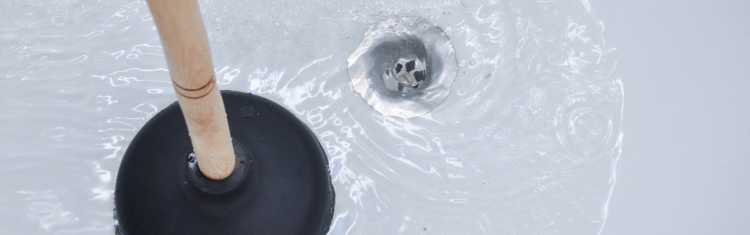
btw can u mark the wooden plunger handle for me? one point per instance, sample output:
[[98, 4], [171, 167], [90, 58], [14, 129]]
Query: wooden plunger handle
[[185, 43]]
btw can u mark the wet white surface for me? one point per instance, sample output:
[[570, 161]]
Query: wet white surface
[[685, 67], [528, 141]]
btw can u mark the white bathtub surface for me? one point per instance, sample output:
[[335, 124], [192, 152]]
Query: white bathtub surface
[[527, 142], [686, 70]]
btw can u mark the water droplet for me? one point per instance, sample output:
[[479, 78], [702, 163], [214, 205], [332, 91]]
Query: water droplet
[[248, 111], [191, 158]]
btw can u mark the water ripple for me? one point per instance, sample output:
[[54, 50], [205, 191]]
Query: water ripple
[[522, 145]]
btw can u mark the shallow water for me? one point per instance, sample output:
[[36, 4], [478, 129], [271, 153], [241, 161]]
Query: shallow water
[[527, 142]]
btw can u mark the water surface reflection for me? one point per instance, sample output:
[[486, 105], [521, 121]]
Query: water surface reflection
[[527, 142]]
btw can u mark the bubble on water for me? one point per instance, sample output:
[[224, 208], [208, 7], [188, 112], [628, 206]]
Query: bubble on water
[[404, 67]]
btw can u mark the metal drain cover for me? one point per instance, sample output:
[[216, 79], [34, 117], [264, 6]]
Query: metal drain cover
[[404, 67]]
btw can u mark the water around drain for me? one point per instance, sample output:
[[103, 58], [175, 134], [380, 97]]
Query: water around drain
[[404, 67], [486, 160]]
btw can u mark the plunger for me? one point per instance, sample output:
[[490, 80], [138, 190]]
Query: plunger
[[218, 162]]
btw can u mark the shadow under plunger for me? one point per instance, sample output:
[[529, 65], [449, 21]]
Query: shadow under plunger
[[193, 170]]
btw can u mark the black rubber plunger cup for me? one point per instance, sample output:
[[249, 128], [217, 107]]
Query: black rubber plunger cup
[[285, 187], [194, 170]]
